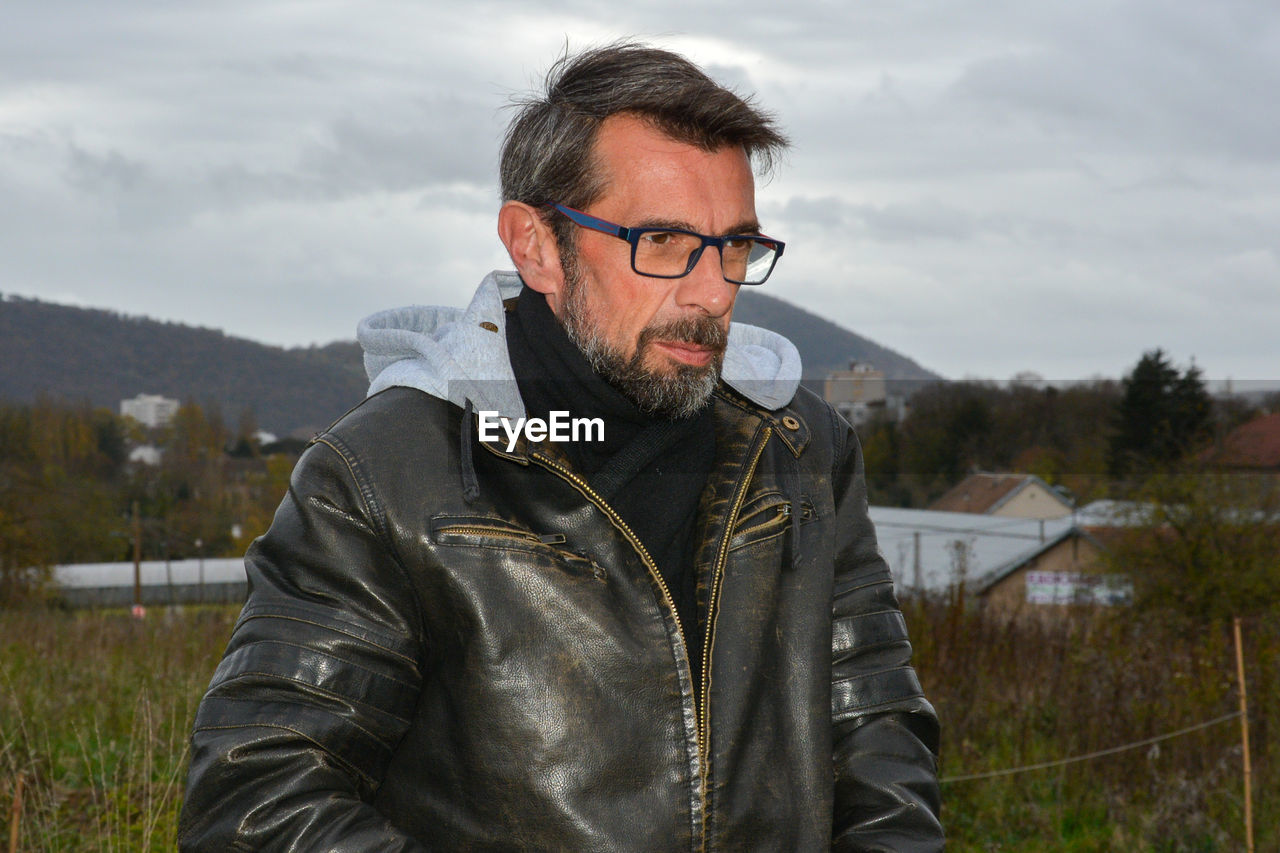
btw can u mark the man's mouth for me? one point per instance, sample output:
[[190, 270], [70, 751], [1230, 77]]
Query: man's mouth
[[693, 341], [695, 355]]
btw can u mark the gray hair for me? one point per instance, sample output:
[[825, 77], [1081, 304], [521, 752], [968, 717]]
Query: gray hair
[[547, 154]]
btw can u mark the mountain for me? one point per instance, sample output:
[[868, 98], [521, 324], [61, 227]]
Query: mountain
[[77, 354], [85, 354], [823, 345]]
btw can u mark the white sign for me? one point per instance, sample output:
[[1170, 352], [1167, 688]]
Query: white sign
[[1077, 588]]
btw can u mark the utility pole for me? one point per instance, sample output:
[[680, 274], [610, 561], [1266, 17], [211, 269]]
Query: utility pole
[[137, 562], [200, 557], [919, 582]]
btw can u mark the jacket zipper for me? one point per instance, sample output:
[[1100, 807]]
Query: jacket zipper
[[649, 563], [703, 719], [713, 611], [627, 531]]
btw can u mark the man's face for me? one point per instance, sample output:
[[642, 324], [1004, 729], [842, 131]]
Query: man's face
[[660, 341]]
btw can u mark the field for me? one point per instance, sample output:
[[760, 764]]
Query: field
[[95, 708], [1013, 693]]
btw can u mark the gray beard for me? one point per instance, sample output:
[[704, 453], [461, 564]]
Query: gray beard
[[681, 393]]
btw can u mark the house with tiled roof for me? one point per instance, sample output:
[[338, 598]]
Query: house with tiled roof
[[1252, 446], [1007, 495]]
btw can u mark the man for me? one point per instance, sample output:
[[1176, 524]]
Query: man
[[464, 633]]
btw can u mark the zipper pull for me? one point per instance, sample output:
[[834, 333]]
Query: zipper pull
[[552, 539]]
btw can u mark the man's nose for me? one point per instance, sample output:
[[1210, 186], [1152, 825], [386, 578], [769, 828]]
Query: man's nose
[[705, 286]]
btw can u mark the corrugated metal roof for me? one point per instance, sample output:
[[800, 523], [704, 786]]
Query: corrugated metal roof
[[953, 544], [153, 573]]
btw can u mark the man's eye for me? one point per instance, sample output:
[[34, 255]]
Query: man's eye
[[660, 238], [740, 244]]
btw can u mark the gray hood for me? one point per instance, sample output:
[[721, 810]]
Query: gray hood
[[461, 354]]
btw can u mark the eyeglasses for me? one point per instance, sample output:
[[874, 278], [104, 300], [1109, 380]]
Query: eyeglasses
[[674, 252]]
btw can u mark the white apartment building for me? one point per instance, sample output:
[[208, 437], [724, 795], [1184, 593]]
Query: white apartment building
[[150, 409]]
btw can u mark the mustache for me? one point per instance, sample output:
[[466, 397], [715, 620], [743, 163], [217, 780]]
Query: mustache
[[698, 330]]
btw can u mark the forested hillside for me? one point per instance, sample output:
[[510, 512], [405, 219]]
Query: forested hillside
[[80, 354], [83, 354]]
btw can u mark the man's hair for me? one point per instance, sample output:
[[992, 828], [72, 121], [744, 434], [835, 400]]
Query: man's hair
[[547, 154]]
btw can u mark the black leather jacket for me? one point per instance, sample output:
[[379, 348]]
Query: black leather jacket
[[414, 670]]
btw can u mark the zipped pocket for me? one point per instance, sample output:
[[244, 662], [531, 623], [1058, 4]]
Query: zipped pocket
[[765, 517], [488, 532]]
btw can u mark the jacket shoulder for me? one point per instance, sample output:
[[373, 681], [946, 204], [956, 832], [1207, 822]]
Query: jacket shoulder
[[398, 417], [821, 414]]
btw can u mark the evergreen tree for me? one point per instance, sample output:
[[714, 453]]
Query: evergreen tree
[[1162, 414]]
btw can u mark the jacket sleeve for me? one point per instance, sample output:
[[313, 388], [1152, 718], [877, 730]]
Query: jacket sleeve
[[886, 732], [318, 681]]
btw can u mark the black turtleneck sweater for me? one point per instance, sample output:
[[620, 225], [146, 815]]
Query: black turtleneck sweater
[[651, 470]]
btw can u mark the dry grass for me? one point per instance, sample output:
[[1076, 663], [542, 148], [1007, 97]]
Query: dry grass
[[95, 709], [1017, 692]]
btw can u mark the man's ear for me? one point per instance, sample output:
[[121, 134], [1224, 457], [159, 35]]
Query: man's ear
[[533, 249]]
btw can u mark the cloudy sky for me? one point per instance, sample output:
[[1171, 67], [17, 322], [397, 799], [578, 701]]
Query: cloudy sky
[[987, 186]]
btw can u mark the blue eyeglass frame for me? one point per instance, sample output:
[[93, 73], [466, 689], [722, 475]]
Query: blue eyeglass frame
[[633, 235]]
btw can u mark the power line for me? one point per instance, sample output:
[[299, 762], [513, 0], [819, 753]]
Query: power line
[[1091, 755], [1002, 530]]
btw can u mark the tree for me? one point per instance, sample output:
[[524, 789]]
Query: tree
[[57, 501], [1203, 545], [1162, 415], [185, 498], [954, 427], [949, 431]]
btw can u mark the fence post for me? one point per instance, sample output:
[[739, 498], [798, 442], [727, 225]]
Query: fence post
[[15, 812], [1244, 737]]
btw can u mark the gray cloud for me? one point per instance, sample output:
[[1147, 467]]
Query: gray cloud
[[428, 146], [988, 187], [914, 221]]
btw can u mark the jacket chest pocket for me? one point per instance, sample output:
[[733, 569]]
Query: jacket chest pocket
[[767, 517], [499, 534]]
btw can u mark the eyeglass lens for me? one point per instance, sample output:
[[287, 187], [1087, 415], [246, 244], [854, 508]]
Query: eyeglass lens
[[668, 254]]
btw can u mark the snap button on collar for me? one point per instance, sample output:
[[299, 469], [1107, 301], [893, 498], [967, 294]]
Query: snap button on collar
[[790, 422], [492, 327]]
